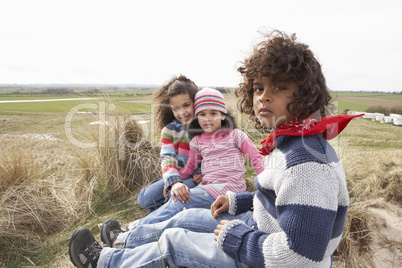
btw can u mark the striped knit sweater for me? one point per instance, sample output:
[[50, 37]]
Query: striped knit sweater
[[222, 162], [174, 152], [299, 208]]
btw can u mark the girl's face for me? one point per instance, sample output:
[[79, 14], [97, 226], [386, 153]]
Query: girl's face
[[210, 120], [270, 101], [182, 107]]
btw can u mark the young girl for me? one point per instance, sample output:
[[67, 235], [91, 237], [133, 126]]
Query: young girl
[[219, 146], [296, 216], [175, 110]]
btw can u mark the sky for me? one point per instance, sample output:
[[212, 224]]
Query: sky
[[358, 43]]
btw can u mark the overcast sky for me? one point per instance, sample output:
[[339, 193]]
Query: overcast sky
[[358, 43]]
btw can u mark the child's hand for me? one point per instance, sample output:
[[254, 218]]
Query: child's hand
[[220, 206], [197, 178], [165, 195], [219, 228], [180, 190]]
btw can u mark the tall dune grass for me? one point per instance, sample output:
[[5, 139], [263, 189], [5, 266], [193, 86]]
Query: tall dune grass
[[372, 175], [33, 202], [123, 161]]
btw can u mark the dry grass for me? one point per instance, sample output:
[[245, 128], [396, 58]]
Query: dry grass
[[124, 158], [33, 203], [372, 175]]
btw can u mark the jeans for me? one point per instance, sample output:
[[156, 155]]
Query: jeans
[[151, 196], [186, 240], [199, 198]]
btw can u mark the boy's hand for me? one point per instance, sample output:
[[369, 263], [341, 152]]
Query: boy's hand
[[220, 206], [180, 190], [219, 228], [197, 178]]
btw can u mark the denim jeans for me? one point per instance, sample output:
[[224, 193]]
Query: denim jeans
[[199, 198], [186, 240], [151, 196]]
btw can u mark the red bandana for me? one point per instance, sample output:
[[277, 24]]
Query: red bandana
[[329, 126]]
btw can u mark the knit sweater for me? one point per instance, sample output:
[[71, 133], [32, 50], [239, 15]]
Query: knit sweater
[[222, 162], [299, 208], [174, 152]]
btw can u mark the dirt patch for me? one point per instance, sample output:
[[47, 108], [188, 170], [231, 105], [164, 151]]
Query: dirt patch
[[387, 237], [373, 101]]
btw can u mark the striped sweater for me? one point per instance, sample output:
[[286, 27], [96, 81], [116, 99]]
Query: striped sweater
[[299, 208], [174, 152], [222, 162]]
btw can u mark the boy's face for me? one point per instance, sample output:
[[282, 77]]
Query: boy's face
[[182, 107], [270, 101]]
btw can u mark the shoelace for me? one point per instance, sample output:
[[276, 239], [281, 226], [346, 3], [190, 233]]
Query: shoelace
[[94, 250]]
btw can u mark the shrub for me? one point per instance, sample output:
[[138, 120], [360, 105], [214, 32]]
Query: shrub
[[385, 110]]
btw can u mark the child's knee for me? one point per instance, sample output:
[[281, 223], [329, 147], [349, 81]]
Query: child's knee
[[147, 201], [141, 199], [171, 234]]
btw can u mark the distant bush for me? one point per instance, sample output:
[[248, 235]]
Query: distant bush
[[385, 110], [396, 110]]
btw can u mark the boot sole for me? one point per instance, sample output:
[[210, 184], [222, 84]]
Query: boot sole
[[72, 256], [104, 235]]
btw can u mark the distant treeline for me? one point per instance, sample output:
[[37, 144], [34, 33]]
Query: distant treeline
[[67, 91], [53, 91], [370, 92], [82, 91], [224, 90]]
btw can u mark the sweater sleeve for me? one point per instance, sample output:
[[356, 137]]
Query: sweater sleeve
[[242, 243], [194, 159], [247, 147], [240, 202], [170, 172], [303, 233]]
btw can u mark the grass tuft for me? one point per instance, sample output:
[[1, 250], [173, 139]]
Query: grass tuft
[[33, 203]]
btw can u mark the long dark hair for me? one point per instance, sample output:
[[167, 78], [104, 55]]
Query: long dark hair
[[175, 86]]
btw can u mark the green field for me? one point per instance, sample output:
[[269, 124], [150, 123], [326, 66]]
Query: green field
[[108, 96], [366, 95], [346, 105], [361, 101], [65, 106]]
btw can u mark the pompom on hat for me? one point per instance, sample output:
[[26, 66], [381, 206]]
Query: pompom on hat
[[209, 99]]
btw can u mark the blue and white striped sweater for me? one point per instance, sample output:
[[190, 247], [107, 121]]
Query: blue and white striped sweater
[[299, 208]]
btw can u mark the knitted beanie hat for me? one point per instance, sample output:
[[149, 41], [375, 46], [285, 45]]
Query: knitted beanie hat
[[209, 99]]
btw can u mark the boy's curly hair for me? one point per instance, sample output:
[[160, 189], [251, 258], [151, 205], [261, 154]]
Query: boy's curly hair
[[282, 59], [175, 86]]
